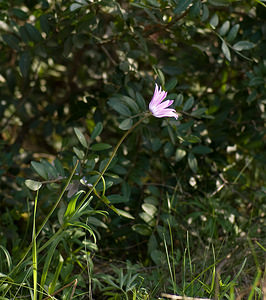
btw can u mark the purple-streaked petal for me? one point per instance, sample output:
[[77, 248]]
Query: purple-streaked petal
[[166, 113], [158, 96], [165, 104], [159, 108]]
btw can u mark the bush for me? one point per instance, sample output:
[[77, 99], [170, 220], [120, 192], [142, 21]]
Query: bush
[[180, 208]]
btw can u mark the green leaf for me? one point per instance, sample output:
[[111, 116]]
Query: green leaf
[[116, 198], [201, 149], [141, 102], [188, 104], [142, 229], [205, 12], [44, 22], [171, 84], [160, 75], [168, 149], [24, 34], [50, 169], [33, 185], [75, 6], [96, 222], [100, 147], [81, 137], [179, 100], [154, 3], [149, 209], [192, 139], [214, 21], [192, 162], [119, 107], [124, 214], [130, 103], [220, 2], [158, 257], [182, 5], [24, 63], [11, 40], [97, 130], [226, 51], [57, 272], [224, 28], [80, 153], [59, 167], [198, 112], [126, 124], [233, 33], [39, 168], [243, 45], [33, 33], [20, 14], [180, 153]]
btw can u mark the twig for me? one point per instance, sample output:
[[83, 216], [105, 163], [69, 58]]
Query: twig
[[175, 297], [74, 282]]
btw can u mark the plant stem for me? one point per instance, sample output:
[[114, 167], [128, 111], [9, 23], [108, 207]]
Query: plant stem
[[46, 219], [110, 159]]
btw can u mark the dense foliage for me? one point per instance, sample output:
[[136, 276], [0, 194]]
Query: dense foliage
[[181, 207]]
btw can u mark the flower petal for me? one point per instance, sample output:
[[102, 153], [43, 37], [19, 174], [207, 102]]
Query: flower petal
[[159, 108]]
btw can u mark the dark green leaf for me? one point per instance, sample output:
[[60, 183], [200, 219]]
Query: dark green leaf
[[117, 199], [100, 147], [220, 2], [214, 21], [81, 137], [226, 51], [192, 139], [59, 167], [97, 130], [44, 22], [188, 104], [119, 107], [130, 103], [50, 169], [140, 101], [24, 34], [232, 33], [34, 34], [80, 153], [11, 40], [19, 13], [201, 149], [192, 162], [40, 169], [179, 100], [224, 28], [24, 63], [198, 112], [142, 229], [205, 12], [171, 84], [126, 124], [243, 45], [182, 5]]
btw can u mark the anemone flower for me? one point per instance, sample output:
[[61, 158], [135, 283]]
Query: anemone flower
[[158, 107]]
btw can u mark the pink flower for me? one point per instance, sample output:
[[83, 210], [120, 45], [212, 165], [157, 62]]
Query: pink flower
[[159, 108]]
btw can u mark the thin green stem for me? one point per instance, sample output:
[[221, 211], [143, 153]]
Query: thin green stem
[[34, 249], [110, 160], [47, 218]]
